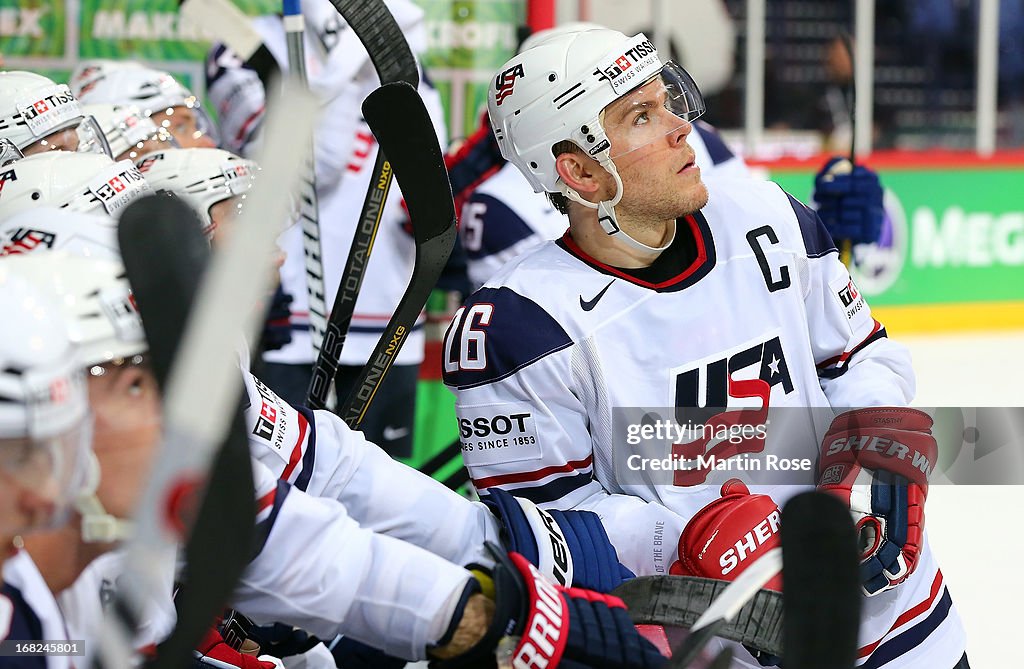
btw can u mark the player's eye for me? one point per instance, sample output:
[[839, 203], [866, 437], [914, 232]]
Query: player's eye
[[641, 119]]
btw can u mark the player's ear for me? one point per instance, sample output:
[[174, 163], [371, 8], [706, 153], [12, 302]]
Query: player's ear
[[578, 171]]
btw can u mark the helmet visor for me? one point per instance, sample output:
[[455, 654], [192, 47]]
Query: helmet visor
[[189, 123], [51, 471], [82, 135], [661, 105]]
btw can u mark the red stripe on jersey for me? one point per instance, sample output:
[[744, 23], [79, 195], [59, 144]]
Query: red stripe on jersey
[[524, 477], [840, 359], [907, 615], [702, 257], [267, 501], [243, 132], [296, 455]]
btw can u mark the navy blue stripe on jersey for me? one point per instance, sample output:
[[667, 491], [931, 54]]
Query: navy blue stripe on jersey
[[553, 490], [911, 638], [309, 456], [502, 227], [817, 241], [264, 527], [717, 148], [844, 362], [519, 333], [24, 626]]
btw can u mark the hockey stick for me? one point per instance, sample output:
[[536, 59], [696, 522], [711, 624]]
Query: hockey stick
[[309, 210], [389, 51], [846, 245], [165, 255], [399, 120], [675, 601], [232, 27], [821, 583], [203, 388], [680, 601]]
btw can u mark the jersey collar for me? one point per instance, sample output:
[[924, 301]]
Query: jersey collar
[[685, 277]]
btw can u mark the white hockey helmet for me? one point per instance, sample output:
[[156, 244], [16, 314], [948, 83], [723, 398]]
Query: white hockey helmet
[[37, 114], [45, 424], [80, 182], [103, 324], [49, 228], [130, 133], [556, 91], [202, 177], [158, 94], [95, 301]]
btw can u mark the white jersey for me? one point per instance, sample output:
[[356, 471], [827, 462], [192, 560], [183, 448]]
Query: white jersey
[[341, 75], [88, 599], [547, 358], [28, 611], [504, 217], [350, 540]]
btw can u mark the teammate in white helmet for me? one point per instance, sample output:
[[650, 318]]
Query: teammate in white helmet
[[158, 94], [685, 300], [341, 75], [130, 133], [38, 115], [45, 429], [326, 510], [80, 182], [213, 181]]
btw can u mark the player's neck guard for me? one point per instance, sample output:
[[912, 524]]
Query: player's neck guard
[[606, 212]]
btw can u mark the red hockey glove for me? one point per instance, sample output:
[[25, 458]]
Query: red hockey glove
[[728, 535], [878, 461]]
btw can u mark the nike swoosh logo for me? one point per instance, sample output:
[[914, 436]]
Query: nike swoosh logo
[[590, 304], [392, 433]]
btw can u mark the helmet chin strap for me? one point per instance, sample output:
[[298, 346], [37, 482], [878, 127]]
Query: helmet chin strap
[[98, 526], [606, 213]]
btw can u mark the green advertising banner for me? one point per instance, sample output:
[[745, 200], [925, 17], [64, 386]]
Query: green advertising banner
[[467, 41], [33, 28], [951, 254]]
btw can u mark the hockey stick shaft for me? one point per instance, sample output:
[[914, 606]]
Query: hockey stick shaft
[[846, 246], [821, 583], [309, 209], [403, 128], [392, 58]]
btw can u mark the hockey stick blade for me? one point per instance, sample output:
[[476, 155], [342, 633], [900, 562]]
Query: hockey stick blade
[[821, 583], [679, 601], [399, 120], [375, 26], [230, 25]]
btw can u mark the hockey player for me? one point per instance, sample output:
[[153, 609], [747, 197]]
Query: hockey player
[[38, 115], [721, 300], [44, 444], [87, 183], [326, 498], [159, 95], [130, 133], [341, 75], [214, 182]]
